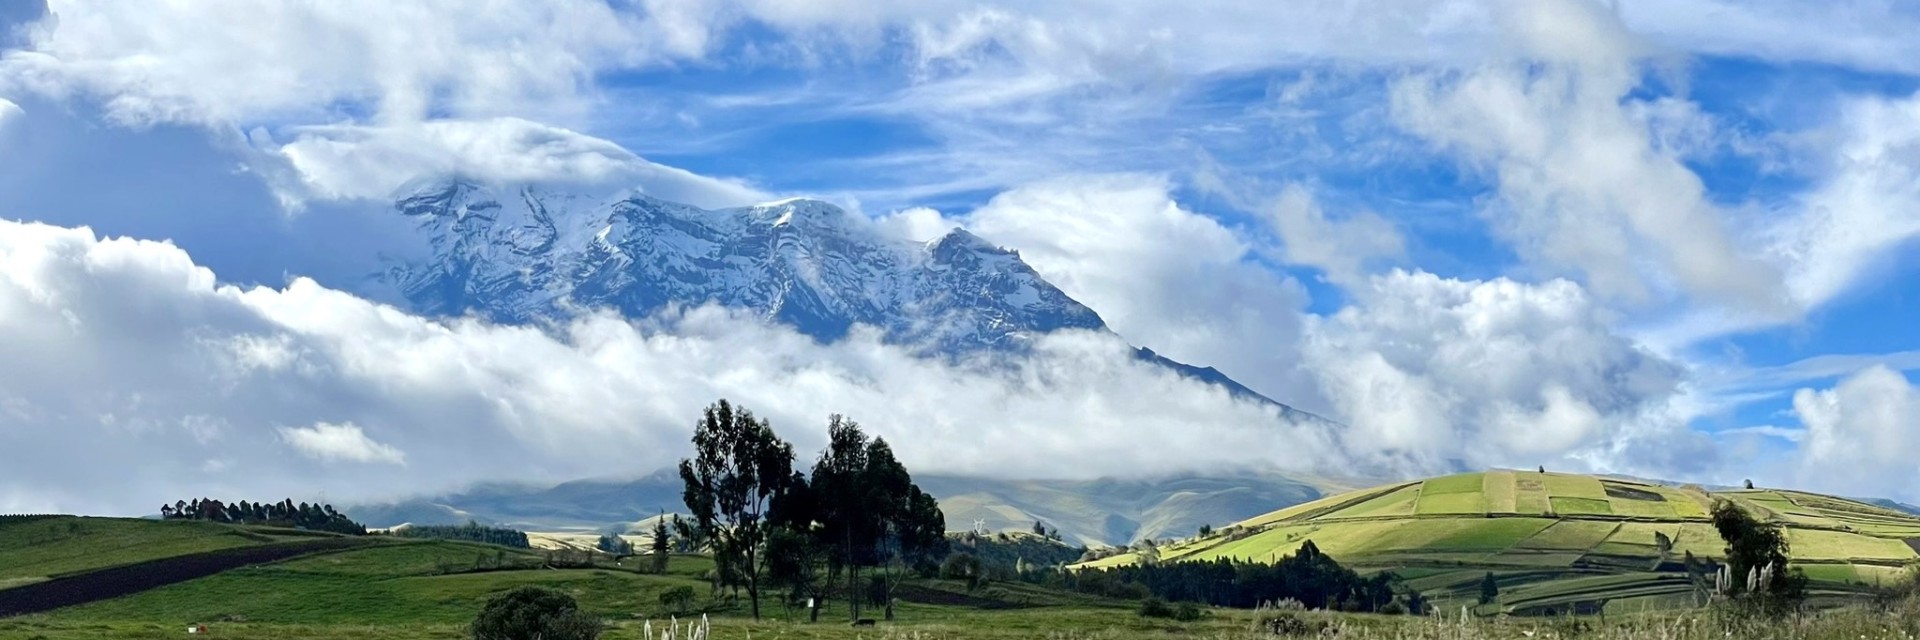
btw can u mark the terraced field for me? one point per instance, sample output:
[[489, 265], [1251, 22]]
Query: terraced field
[[1563, 542]]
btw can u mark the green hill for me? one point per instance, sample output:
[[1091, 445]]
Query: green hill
[[1555, 540], [33, 549], [1087, 512]]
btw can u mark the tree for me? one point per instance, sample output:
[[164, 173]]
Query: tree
[[1039, 528], [534, 612], [870, 512], [1489, 589], [662, 544], [1206, 530], [916, 534], [739, 467], [841, 504], [795, 548], [1757, 557]]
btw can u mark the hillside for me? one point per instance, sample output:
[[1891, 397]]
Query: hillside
[[333, 587], [1087, 512], [1555, 540], [34, 549]]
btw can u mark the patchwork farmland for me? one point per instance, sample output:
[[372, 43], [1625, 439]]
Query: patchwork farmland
[[1562, 542]]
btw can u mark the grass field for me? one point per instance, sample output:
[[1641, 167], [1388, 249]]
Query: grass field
[[1094, 623], [1555, 543], [1565, 539], [1397, 503], [31, 550]]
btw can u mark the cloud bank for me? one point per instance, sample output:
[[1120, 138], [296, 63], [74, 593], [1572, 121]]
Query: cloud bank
[[127, 354]]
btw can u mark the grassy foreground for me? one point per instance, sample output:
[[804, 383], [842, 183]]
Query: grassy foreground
[[1098, 624]]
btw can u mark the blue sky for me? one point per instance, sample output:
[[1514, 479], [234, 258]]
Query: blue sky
[[1670, 238]]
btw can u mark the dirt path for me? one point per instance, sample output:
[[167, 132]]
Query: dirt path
[[129, 579]]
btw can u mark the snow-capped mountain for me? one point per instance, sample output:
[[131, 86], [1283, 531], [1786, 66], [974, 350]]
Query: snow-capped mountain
[[517, 254]]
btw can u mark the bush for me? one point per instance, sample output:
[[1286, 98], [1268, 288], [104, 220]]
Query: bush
[[1288, 623], [534, 612], [677, 598], [1157, 608]]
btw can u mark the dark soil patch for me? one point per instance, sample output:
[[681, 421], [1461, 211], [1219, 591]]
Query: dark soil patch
[[134, 578], [922, 595], [1624, 492]]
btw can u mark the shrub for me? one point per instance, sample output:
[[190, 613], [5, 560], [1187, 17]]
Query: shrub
[[1288, 623], [534, 612], [677, 598], [1155, 608]]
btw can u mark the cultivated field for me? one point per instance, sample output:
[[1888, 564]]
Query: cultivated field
[[1559, 541]]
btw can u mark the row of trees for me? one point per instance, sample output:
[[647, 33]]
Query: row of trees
[[316, 517], [1308, 576], [771, 525], [470, 532]]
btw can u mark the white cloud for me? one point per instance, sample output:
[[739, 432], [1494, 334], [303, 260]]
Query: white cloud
[[1159, 274], [1865, 208], [1866, 34], [372, 162], [1428, 370], [155, 61], [1860, 434], [1582, 187], [122, 353], [1341, 248], [338, 443]]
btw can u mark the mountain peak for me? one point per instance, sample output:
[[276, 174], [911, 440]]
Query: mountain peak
[[533, 253], [516, 257], [800, 212]]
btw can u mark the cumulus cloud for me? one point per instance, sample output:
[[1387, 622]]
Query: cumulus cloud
[[1160, 274], [1582, 188], [337, 443], [1429, 371], [1860, 434], [1341, 248], [372, 162], [125, 353]]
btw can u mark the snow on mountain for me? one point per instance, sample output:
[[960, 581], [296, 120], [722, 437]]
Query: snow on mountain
[[515, 255], [520, 254]]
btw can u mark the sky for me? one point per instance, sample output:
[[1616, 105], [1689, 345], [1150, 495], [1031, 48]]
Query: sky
[[1673, 239]]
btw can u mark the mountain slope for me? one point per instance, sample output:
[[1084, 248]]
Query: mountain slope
[[1090, 512], [523, 254], [517, 255], [1563, 542]]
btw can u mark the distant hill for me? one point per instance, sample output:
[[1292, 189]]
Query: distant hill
[[1087, 512], [1558, 542]]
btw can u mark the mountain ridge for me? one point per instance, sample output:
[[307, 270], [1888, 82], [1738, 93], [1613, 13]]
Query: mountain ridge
[[524, 253], [1103, 511]]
